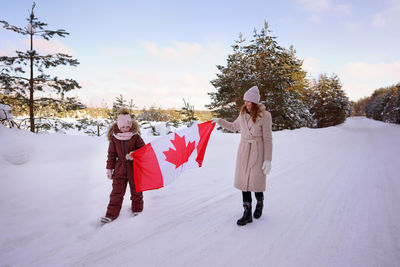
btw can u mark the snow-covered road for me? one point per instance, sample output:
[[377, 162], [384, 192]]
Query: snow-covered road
[[332, 199]]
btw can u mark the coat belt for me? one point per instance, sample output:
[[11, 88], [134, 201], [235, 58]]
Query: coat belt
[[253, 149]]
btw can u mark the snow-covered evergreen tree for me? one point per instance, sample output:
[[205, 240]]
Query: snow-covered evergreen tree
[[384, 104], [232, 82], [391, 112], [293, 113], [277, 73], [329, 104]]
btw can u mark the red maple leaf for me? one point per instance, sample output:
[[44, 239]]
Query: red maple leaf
[[182, 152]]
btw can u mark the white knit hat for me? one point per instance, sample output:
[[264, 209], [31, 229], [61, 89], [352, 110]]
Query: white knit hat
[[252, 95]]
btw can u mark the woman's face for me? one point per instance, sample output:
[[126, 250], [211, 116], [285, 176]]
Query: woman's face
[[248, 105], [125, 129]]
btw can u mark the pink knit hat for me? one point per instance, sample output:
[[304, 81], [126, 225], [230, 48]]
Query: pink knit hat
[[252, 95], [124, 120]]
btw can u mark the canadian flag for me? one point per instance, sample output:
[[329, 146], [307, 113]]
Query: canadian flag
[[161, 161]]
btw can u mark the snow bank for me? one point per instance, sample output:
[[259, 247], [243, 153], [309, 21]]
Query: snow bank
[[16, 147], [5, 112]]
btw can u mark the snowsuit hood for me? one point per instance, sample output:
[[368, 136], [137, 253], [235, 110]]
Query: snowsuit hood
[[114, 129]]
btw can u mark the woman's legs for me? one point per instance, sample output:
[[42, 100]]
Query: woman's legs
[[246, 196]]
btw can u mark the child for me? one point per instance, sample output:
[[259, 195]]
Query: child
[[124, 139]]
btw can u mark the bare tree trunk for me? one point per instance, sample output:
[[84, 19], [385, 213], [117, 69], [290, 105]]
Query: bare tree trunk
[[31, 111]]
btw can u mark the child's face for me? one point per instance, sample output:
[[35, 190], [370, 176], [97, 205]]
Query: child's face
[[125, 129]]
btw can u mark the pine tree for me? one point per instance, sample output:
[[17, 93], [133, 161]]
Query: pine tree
[[232, 82], [277, 73], [300, 83], [359, 106], [119, 103], [21, 87], [384, 104], [375, 108], [279, 78], [188, 114], [294, 113], [329, 103], [391, 112]]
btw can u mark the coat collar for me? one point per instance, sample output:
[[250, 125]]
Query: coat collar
[[247, 123]]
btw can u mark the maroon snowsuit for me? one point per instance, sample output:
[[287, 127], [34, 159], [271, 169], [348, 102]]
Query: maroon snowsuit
[[123, 171]]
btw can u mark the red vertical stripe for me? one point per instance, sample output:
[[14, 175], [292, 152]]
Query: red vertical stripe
[[205, 130], [146, 171]]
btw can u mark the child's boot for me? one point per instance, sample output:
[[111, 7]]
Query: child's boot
[[105, 220]]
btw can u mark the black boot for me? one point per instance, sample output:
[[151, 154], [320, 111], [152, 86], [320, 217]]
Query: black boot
[[247, 217], [259, 208]]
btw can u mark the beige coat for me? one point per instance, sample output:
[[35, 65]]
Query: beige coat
[[255, 147]]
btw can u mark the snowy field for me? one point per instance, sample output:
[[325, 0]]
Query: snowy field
[[332, 199]]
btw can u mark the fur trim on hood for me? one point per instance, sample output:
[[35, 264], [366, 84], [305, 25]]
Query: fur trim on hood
[[114, 129]]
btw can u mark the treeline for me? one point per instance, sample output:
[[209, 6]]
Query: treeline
[[293, 100], [382, 105], [96, 121], [152, 113]]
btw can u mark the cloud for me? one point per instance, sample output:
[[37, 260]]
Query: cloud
[[378, 20], [360, 79], [42, 46], [49, 47], [311, 65], [176, 51], [147, 88], [8, 48], [343, 9], [370, 72], [356, 91], [114, 50], [153, 73], [315, 6], [318, 9], [173, 56], [168, 89], [389, 16]]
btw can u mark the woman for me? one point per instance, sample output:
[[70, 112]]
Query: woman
[[254, 155]]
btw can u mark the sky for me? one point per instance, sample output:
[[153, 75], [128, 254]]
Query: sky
[[159, 52]]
